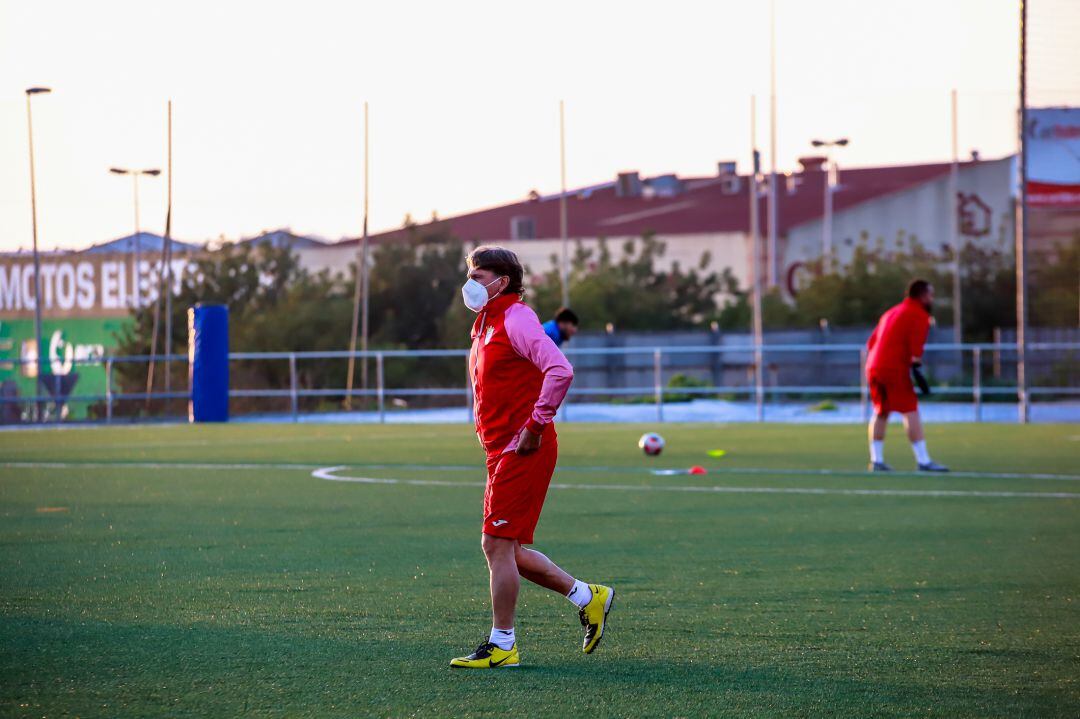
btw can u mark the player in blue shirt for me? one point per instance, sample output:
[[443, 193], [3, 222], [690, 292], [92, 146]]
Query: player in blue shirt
[[563, 327]]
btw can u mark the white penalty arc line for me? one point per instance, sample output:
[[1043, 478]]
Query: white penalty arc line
[[330, 473]]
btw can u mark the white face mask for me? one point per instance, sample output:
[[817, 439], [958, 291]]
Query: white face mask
[[476, 294]]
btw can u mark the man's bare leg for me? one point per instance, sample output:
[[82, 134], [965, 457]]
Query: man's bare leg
[[876, 430], [540, 570], [499, 553], [913, 425]]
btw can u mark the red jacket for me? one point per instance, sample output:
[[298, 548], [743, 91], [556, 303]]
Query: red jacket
[[519, 376], [899, 337]]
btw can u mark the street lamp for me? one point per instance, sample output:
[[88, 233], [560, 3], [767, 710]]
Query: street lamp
[[136, 292], [39, 355], [832, 178]]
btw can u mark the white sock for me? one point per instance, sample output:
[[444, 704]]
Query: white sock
[[921, 455], [503, 638], [877, 450], [579, 594]]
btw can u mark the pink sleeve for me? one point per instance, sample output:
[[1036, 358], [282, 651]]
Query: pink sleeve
[[529, 340]]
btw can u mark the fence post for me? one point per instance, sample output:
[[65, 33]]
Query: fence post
[[976, 381], [468, 392], [759, 381], [56, 396], [380, 388], [864, 389], [997, 353], [108, 390], [294, 398], [658, 387]]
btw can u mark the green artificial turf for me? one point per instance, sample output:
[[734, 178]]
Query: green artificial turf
[[203, 571]]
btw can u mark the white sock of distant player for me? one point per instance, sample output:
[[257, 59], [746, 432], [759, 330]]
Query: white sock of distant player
[[877, 450], [922, 456], [579, 594], [502, 638]]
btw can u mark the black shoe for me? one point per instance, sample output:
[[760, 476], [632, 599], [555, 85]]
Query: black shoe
[[933, 466], [879, 467]]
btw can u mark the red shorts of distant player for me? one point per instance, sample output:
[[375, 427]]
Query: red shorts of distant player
[[516, 488], [892, 391]]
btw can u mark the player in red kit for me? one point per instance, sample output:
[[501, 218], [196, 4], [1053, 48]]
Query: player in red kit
[[894, 352], [519, 380]]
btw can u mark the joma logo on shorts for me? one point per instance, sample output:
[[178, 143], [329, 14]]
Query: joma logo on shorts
[[500, 522]]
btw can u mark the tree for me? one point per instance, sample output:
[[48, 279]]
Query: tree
[[630, 291], [274, 305]]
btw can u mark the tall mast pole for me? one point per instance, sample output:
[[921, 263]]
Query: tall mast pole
[[168, 288], [774, 266], [564, 269], [954, 230], [1021, 231], [755, 264], [360, 298]]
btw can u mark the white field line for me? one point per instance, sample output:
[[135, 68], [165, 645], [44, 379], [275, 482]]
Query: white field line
[[154, 465], [210, 466], [258, 441], [329, 473]]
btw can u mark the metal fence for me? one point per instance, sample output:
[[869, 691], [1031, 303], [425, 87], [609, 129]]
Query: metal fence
[[657, 376]]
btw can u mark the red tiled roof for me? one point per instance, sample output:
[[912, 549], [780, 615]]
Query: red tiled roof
[[701, 207]]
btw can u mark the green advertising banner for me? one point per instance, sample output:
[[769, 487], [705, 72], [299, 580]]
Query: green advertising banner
[[74, 352]]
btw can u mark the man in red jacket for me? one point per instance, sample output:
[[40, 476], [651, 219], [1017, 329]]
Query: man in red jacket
[[894, 351], [519, 379]]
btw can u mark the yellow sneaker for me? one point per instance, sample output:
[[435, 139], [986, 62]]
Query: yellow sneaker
[[488, 656], [594, 616]]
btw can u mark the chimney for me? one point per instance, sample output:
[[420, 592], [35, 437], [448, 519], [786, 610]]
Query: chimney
[[725, 168], [812, 163], [628, 184]]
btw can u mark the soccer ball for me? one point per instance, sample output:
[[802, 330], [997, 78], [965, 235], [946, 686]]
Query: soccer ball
[[651, 444]]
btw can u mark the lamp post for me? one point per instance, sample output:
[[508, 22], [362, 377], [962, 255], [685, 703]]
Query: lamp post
[[135, 290], [38, 354], [832, 175]]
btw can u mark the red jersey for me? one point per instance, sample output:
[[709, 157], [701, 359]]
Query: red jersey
[[900, 335], [519, 376]]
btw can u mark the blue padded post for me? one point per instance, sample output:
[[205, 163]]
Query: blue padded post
[[208, 363]]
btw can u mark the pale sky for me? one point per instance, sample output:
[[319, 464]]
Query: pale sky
[[464, 99]]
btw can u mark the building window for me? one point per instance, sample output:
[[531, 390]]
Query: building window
[[522, 227]]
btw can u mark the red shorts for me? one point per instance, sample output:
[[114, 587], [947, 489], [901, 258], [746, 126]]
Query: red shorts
[[516, 488], [892, 391]]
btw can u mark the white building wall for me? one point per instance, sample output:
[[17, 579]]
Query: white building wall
[[726, 250], [921, 213]]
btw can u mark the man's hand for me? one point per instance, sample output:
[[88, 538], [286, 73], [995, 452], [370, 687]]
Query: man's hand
[[920, 379], [528, 442]]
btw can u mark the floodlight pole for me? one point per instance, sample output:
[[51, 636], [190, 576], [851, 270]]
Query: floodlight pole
[[565, 260], [136, 294], [39, 354], [832, 178], [755, 265], [1021, 231]]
